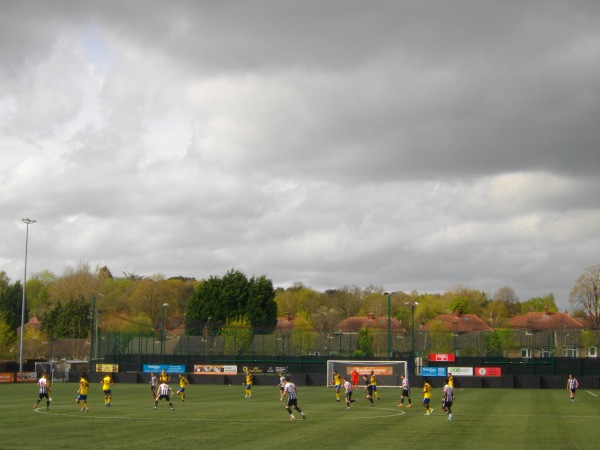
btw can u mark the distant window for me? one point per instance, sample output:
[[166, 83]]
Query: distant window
[[593, 352], [570, 352], [525, 353], [546, 353]]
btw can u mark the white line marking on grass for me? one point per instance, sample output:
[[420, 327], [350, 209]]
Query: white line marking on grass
[[352, 415], [591, 393]]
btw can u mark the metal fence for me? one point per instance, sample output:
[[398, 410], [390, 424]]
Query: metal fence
[[240, 341]]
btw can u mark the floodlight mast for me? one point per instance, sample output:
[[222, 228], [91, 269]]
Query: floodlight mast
[[27, 222]]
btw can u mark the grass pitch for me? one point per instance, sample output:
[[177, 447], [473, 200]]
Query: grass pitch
[[219, 417]]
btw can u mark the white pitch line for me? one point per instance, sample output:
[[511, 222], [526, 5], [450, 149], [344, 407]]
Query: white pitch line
[[89, 416], [591, 393]]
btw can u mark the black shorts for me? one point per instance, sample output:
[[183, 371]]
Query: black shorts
[[44, 395], [166, 397], [405, 392], [446, 404], [292, 402]]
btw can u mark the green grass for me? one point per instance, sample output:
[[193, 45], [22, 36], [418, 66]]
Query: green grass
[[219, 417]]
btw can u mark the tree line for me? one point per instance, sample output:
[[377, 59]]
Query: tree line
[[133, 303]]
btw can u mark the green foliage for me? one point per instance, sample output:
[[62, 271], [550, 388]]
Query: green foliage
[[365, 341], [260, 307], [589, 339], [4, 280], [237, 337], [461, 304], [298, 298], [539, 304], [7, 337], [493, 344], [302, 336], [68, 321], [141, 323], [11, 297], [232, 298], [35, 344]]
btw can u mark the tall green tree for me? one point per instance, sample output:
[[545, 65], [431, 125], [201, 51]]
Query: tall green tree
[[539, 304], [231, 298], [261, 308], [7, 337], [69, 320], [11, 298]]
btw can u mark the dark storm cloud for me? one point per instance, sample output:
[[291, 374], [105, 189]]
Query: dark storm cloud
[[407, 145]]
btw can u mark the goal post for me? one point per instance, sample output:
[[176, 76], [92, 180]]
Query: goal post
[[50, 368], [388, 373]]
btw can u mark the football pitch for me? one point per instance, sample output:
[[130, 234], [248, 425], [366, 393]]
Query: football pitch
[[219, 417]]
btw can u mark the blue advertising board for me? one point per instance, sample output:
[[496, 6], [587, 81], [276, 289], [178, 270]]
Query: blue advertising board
[[433, 371], [159, 368]]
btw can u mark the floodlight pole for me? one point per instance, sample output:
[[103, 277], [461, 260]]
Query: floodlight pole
[[389, 330], [27, 222], [162, 330], [412, 346], [92, 332]]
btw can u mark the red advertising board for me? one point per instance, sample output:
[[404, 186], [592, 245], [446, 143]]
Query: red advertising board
[[7, 377], [488, 371], [441, 357]]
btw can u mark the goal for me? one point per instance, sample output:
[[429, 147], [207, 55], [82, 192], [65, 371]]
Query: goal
[[388, 373], [51, 369]]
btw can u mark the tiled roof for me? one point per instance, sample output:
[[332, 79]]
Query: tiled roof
[[459, 323], [371, 322], [285, 323], [537, 321], [32, 323]]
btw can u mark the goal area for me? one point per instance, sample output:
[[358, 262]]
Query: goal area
[[388, 373], [50, 368]]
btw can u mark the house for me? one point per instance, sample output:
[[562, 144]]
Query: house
[[285, 323], [538, 333], [370, 322], [457, 323], [541, 321], [33, 324]]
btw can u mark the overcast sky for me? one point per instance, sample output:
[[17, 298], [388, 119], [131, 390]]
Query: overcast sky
[[409, 145]]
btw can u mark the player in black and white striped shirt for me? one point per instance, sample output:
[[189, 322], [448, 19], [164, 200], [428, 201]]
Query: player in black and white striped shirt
[[164, 391], [292, 395], [44, 391], [572, 385]]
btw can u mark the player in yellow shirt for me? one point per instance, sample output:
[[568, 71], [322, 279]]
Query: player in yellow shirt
[[427, 397], [337, 383], [82, 392], [373, 381], [249, 380], [183, 382], [106, 383], [164, 377], [450, 380]]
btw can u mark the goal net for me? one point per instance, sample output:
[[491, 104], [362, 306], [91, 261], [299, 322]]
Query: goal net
[[52, 369], [388, 373]]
